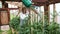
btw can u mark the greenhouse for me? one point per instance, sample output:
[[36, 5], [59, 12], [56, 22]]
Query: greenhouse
[[29, 16]]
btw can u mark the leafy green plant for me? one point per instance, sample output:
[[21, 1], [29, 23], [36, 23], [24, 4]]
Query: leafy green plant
[[1, 31], [9, 32], [53, 28], [25, 28], [14, 23], [46, 28], [37, 27]]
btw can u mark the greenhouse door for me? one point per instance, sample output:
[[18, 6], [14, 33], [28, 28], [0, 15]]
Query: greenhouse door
[[3, 17]]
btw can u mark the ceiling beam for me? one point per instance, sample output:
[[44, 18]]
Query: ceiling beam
[[37, 2], [12, 0]]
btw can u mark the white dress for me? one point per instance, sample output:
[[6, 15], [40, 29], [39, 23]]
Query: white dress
[[23, 17]]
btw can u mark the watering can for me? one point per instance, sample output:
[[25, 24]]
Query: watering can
[[27, 3]]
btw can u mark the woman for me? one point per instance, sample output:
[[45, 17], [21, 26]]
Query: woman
[[23, 16]]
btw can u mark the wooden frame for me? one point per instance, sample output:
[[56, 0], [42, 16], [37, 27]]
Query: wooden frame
[[8, 12], [7, 16]]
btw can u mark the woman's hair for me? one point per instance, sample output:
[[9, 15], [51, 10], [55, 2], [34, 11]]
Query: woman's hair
[[24, 9]]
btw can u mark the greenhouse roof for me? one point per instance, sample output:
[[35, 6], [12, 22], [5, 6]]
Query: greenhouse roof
[[38, 2]]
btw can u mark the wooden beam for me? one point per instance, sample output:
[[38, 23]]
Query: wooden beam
[[39, 1], [42, 3], [54, 13], [8, 15], [8, 8], [46, 12], [38, 4], [0, 18], [12, 0]]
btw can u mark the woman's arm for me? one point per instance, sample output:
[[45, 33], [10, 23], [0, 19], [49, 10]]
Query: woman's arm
[[19, 11], [34, 10]]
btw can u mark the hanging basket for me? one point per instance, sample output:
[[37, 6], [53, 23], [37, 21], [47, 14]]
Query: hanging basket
[[27, 3]]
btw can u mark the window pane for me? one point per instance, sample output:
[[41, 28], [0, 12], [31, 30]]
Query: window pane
[[51, 12], [0, 4], [12, 6], [13, 13], [58, 12]]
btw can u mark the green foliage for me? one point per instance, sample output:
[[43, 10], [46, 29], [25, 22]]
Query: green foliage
[[25, 28], [53, 28], [45, 28], [1, 31], [14, 23], [37, 27], [9, 32]]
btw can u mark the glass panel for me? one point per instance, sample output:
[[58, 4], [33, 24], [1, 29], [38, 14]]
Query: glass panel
[[13, 13], [58, 12], [40, 10], [12, 6], [51, 12], [0, 4]]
